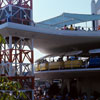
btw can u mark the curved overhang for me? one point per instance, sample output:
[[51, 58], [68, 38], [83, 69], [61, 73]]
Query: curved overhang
[[51, 41]]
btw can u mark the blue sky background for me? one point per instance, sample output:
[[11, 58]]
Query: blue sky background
[[45, 9]]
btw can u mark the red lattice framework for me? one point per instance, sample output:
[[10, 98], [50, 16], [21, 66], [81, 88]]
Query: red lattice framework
[[14, 57], [19, 57], [21, 3], [16, 62]]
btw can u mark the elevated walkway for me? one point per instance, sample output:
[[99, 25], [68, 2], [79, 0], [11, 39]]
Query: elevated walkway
[[54, 41], [68, 73]]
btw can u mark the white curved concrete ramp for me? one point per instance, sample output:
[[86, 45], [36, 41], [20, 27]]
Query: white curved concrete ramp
[[53, 41]]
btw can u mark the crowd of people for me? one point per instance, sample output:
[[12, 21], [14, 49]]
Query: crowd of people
[[55, 93], [74, 28]]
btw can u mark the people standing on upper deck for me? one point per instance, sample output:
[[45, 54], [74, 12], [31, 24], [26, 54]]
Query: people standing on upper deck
[[79, 28], [89, 29], [71, 27], [83, 29], [76, 29], [65, 27]]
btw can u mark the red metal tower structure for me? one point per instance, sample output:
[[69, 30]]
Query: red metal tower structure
[[17, 11], [16, 53]]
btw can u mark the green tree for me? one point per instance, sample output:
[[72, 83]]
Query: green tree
[[10, 90]]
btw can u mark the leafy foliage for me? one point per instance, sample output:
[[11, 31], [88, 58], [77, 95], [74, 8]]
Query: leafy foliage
[[2, 40], [10, 90]]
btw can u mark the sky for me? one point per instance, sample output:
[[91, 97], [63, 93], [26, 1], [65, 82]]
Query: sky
[[45, 9]]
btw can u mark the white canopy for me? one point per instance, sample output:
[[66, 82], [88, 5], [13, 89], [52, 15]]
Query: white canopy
[[68, 19]]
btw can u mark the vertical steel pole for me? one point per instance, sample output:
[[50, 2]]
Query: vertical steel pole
[[32, 94], [20, 65], [32, 56], [15, 58], [32, 21], [32, 65], [10, 55], [4, 53], [86, 27]]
